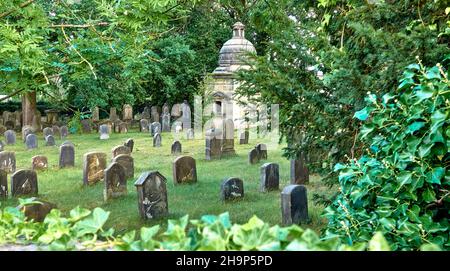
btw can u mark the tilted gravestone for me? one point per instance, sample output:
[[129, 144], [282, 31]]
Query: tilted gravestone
[[8, 161], [56, 131], [66, 155], [50, 140], [270, 177], [184, 170], [299, 171], [24, 183], [31, 141], [115, 182], [213, 147], [10, 137], [127, 162], [86, 126], [253, 156], [39, 162], [47, 131], [294, 205], [176, 147], [157, 140], [94, 164], [64, 131], [243, 138], [3, 185], [130, 144], [231, 188], [121, 149], [152, 195], [104, 131], [155, 128], [144, 125], [262, 151]]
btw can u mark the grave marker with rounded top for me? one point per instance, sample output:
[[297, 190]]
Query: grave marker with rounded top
[[47, 131], [24, 183], [130, 144], [184, 170], [50, 140], [243, 138], [8, 161], [253, 156], [270, 177], [56, 131], [144, 125], [231, 188], [104, 131], [294, 205], [31, 141], [115, 182], [3, 185], [262, 151], [152, 195], [26, 130], [64, 131], [127, 112], [155, 128], [127, 162], [37, 211], [66, 155], [157, 140], [94, 164], [39, 162], [10, 137], [121, 149], [176, 147]]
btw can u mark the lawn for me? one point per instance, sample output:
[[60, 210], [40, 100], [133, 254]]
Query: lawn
[[65, 186]]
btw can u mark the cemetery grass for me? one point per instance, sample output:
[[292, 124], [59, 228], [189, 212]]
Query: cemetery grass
[[64, 187]]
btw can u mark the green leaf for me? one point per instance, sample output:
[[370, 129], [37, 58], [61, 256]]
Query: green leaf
[[362, 114], [378, 243]]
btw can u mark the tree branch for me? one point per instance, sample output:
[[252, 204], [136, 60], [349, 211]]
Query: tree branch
[[79, 25], [11, 95], [24, 4]]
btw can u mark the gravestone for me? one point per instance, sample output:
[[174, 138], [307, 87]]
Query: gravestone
[[116, 125], [228, 140], [50, 140], [56, 131], [294, 205], [130, 144], [253, 156], [66, 155], [190, 134], [8, 161], [9, 124], [157, 140], [37, 211], [64, 131], [94, 164], [31, 141], [121, 149], [39, 162], [154, 114], [152, 195], [26, 130], [213, 147], [165, 119], [95, 114], [127, 162], [2, 129], [155, 128], [47, 131], [262, 151], [146, 113], [113, 114], [184, 170], [186, 117], [270, 177], [24, 183], [3, 185], [299, 171], [86, 126], [10, 137], [176, 147], [243, 138], [104, 131], [123, 128], [231, 188], [36, 121], [144, 126], [52, 116], [127, 112], [176, 110], [115, 182]]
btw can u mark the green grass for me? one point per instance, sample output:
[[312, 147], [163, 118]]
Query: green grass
[[65, 186]]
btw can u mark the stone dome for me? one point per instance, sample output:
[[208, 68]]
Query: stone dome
[[231, 51]]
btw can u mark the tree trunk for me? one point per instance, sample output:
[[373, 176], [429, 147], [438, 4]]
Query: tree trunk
[[28, 107]]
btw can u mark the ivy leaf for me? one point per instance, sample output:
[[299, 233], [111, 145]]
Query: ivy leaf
[[362, 114], [415, 126], [403, 178], [378, 243]]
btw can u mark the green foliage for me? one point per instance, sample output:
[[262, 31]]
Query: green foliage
[[74, 123], [400, 186]]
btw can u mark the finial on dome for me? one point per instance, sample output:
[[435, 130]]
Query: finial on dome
[[238, 30]]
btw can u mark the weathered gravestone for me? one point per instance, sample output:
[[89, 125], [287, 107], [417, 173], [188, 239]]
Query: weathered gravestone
[[228, 138], [56, 131], [213, 147], [127, 162], [50, 140], [26, 130], [104, 131], [176, 110], [121, 149], [47, 131], [157, 140], [127, 112], [154, 114], [66, 155], [184, 170], [31, 141], [3, 185], [115, 182], [186, 117], [24, 183], [113, 114], [165, 119], [253, 156], [146, 113], [95, 114], [144, 126], [155, 128], [152, 195], [262, 151], [123, 128], [10, 137], [10, 125], [116, 125], [130, 144], [243, 138], [190, 134], [94, 164], [299, 171], [8, 161], [176, 147], [38, 210], [270, 177], [39, 162], [231, 188], [294, 205], [86, 126], [64, 131]]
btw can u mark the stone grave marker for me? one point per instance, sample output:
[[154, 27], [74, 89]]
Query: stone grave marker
[[157, 140], [8, 161], [152, 195], [115, 182], [37, 211], [66, 155], [3, 185], [228, 140], [39, 162], [64, 131], [121, 149], [95, 114], [262, 151], [184, 170], [190, 134], [176, 111], [113, 114], [127, 162], [270, 177], [186, 117], [243, 138], [56, 131], [94, 164], [24, 183], [231, 188], [253, 156], [104, 131], [10, 137], [50, 140], [127, 111], [47, 131], [130, 144], [144, 126], [213, 147], [26, 130], [155, 128], [31, 141], [299, 171], [165, 119], [154, 114], [294, 205], [123, 128], [86, 126], [176, 147]]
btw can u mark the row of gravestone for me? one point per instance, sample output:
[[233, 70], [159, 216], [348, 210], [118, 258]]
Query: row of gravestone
[[55, 131]]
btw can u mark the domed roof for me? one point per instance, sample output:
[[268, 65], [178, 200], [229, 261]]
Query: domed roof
[[231, 51]]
